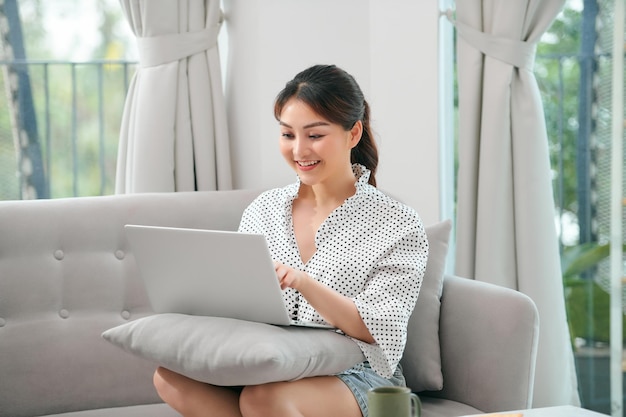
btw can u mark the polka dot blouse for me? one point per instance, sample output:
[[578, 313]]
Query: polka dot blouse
[[372, 249]]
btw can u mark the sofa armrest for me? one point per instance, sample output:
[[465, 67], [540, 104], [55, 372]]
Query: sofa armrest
[[488, 337]]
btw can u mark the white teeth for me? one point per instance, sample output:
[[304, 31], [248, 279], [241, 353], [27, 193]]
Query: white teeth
[[307, 163]]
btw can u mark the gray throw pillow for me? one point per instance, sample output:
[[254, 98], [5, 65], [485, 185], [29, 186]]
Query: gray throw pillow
[[230, 352], [421, 361], [227, 352]]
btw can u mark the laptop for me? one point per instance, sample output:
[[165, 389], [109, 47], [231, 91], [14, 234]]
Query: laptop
[[210, 273]]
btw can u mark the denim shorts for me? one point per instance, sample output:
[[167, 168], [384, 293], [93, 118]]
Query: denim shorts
[[362, 378]]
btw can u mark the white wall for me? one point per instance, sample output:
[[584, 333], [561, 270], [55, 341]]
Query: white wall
[[390, 47]]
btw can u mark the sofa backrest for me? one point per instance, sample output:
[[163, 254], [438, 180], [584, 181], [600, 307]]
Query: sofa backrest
[[66, 275]]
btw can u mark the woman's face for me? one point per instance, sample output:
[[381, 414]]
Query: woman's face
[[316, 149]]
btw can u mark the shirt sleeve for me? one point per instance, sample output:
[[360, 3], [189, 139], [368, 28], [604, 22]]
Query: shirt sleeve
[[246, 225], [389, 297], [251, 219]]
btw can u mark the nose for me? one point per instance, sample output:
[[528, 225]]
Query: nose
[[300, 146]]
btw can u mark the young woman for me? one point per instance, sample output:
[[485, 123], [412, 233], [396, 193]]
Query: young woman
[[345, 254]]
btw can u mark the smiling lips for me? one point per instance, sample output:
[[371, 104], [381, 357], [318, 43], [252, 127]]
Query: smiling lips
[[307, 165]]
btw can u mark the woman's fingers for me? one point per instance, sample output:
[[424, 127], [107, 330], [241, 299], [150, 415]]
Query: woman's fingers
[[287, 276]]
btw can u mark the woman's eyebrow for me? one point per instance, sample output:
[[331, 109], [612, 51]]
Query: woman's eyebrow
[[310, 125]]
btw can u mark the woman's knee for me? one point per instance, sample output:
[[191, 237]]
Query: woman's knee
[[257, 400], [249, 399], [164, 383]]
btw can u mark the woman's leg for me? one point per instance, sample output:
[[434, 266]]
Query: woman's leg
[[192, 398], [325, 396]]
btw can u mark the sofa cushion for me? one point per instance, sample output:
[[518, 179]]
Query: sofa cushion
[[422, 356], [224, 351], [147, 410], [440, 407]]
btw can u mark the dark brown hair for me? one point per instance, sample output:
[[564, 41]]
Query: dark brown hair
[[335, 95]]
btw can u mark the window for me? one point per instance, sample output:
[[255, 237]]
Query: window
[[573, 68], [66, 66]]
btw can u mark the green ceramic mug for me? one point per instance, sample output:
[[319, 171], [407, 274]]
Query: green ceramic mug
[[393, 402]]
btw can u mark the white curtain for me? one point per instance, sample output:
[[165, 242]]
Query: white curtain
[[505, 223], [174, 134]]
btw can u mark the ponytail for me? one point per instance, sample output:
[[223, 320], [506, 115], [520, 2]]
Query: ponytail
[[366, 151]]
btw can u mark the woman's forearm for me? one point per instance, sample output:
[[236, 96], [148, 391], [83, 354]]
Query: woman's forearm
[[337, 309]]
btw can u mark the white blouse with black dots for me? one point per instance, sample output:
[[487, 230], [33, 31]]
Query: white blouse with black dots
[[372, 249]]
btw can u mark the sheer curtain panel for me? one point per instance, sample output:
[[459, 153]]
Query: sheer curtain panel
[[174, 134], [505, 223]]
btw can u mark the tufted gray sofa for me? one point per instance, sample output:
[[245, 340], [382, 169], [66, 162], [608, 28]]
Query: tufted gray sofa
[[66, 275]]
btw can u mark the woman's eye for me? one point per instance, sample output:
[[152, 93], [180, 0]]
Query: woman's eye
[[316, 136], [287, 135]]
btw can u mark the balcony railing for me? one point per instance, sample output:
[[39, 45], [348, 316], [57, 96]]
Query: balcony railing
[[59, 125]]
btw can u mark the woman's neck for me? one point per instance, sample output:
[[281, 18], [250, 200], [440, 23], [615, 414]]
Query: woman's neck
[[325, 195]]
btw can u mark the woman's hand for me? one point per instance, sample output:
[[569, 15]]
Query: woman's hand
[[336, 309], [289, 277]]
